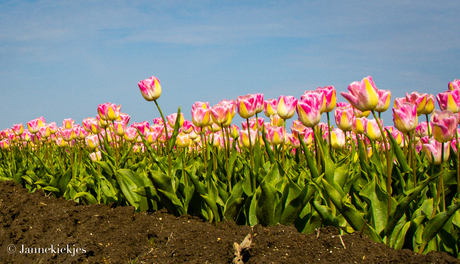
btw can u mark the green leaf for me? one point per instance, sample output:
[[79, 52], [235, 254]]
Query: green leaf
[[212, 204], [172, 140], [295, 206], [399, 154], [326, 214], [437, 223], [89, 198], [266, 204], [310, 161], [127, 186]]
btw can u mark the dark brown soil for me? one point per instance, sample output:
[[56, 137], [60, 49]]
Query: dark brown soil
[[105, 234]]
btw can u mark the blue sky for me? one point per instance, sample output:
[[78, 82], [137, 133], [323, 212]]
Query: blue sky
[[60, 59]]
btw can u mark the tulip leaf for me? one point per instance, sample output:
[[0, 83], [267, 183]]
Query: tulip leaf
[[326, 214], [127, 186], [89, 198], [172, 140], [436, 223], [266, 204], [399, 154], [212, 204], [269, 151], [310, 161]]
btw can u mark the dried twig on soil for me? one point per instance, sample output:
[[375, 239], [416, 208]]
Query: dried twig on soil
[[241, 248]]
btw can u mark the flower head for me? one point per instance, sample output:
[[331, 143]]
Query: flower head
[[363, 95], [150, 88]]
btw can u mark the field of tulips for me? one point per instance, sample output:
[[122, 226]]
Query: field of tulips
[[399, 185]]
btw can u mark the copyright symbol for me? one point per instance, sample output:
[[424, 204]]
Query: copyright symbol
[[11, 248]]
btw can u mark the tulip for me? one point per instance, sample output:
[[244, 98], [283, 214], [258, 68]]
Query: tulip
[[337, 138], [92, 142], [35, 124], [182, 140], [372, 129], [246, 106], [95, 128], [187, 127], [363, 95], [131, 134], [68, 123], [319, 96], [270, 107], [405, 118], [151, 137], [259, 102], [67, 134], [4, 144], [444, 125], [399, 137], [44, 132], [101, 122], [276, 120], [358, 125], [125, 118], [172, 119], [344, 117], [150, 88], [422, 129], [384, 100], [18, 129], [434, 151], [286, 106], [309, 111], [330, 96], [399, 101], [276, 135], [201, 117], [455, 85], [419, 100], [449, 100], [245, 140], [429, 106], [234, 131], [220, 113], [297, 128], [119, 128], [95, 156], [143, 127], [109, 111]]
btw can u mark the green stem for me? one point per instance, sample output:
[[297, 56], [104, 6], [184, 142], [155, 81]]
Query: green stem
[[167, 137], [329, 131]]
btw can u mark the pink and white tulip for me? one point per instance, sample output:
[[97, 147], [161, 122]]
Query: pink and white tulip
[[150, 88], [362, 95]]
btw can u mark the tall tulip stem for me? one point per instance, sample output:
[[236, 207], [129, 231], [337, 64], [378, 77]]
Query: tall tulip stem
[[166, 134]]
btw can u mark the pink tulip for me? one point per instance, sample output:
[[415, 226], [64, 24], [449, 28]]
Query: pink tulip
[[399, 101], [246, 106], [68, 123], [101, 122], [455, 85], [95, 156], [125, 118], [276, 135], [44, 132], [405, 117], [398, 136], [18, 129], [95, 127], [187, 127], [337, 138], [344, 117], [419, 100], [358, 125], [182, 140], [244, 138], [421, 130], [220, 113], [270, 107], [172, 119], [234, 131], [151, 137], [319, 96], [444, 125], [201, 117], [150, 88], [363, 95], [372, 129], [329, 93], [309, 111], [259, 102], [449, 100], [434, 151], [384, 100], [119, 128], [131, 134], [286, 106], [87, 123], [4, 144], [143, 127], [35, 124], [276, 120], [109, 111], [67, 134], [92, 142], [430, 105]]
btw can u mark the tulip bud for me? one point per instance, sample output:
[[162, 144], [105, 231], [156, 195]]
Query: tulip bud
[[150, 88]]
